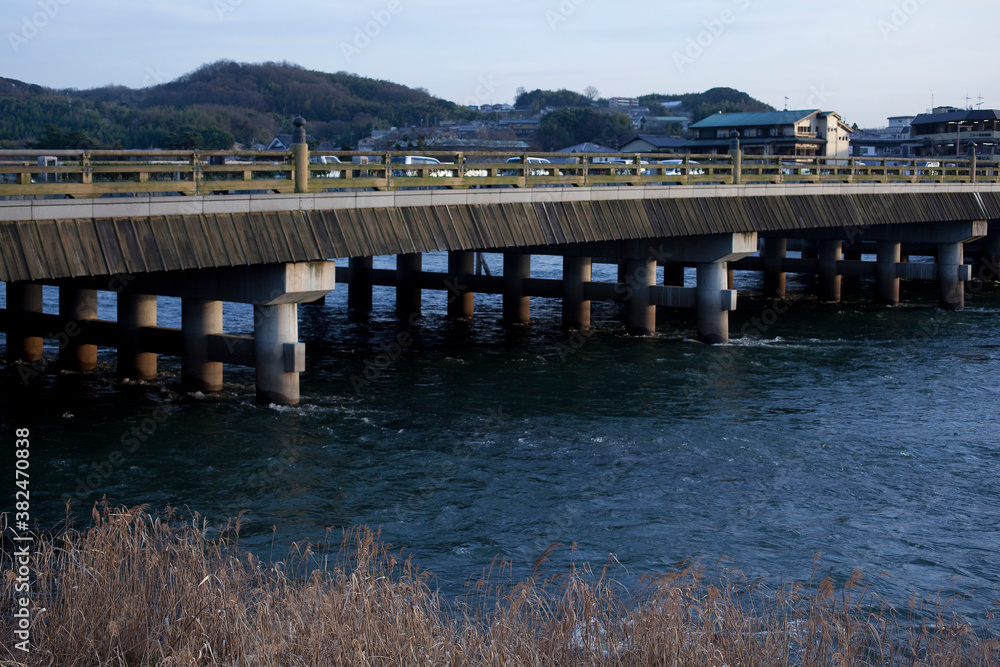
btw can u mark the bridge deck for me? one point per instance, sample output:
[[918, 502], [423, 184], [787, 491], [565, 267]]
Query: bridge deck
[[51, 239]]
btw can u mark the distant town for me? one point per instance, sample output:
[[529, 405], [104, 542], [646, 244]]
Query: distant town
[[941, 132]]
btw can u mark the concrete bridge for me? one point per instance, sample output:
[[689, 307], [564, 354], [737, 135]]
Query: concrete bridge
[[272, 249]]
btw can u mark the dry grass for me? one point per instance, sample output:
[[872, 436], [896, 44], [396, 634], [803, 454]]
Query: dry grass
[[137, 589]]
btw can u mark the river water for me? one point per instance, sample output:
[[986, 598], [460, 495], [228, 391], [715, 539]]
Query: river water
[[865, 434]]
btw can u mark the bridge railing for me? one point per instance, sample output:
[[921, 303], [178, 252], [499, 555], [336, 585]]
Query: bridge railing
[[122, 173]]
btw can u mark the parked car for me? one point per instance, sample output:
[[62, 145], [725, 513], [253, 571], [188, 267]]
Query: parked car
[[693, 171], [325, 159], [531, 161], [419, 159]]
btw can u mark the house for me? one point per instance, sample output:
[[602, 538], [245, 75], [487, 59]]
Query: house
[[283, 142], [892, 140], [587, 147], [804, 133], [522, 128], [485, 145], [651, 143], [948, 132]]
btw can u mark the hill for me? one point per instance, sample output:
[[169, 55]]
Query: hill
[[712, 101], [214, 106]]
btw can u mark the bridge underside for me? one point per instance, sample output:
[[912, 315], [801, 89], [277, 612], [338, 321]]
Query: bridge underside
[[274, 259]]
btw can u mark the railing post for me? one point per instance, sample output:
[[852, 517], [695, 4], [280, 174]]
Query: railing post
[[196, 172], [972, 162], [87, 173], [737, 155], [300, 155]]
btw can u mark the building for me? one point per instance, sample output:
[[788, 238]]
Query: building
[[587, 147], [892, 140], [948, 131], [651, 143], [623, 102], [805, 133]]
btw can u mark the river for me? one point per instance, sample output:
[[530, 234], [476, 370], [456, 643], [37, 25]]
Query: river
[[865, 434]]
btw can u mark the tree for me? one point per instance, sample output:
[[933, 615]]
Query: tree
[[567, 127], [592, 93]]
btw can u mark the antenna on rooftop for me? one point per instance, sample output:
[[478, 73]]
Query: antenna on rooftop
[[980, 98], [968, 101], [786, 102]]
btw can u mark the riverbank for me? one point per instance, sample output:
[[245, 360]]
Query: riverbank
[[140, 588]]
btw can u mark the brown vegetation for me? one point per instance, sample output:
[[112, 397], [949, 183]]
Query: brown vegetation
[[137, 589]]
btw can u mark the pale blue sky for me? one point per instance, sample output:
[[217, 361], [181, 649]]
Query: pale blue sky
[[864, 59]]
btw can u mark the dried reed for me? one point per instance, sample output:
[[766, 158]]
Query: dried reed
[[142, 589]]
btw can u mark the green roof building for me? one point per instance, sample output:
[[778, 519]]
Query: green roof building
[[803, 133]]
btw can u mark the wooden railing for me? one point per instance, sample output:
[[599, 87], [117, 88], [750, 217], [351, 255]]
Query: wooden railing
[[97, 173]]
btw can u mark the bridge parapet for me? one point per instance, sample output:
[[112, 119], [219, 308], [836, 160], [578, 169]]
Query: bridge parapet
[[83, 174]]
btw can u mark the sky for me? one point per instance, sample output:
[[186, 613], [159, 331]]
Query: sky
[[864, 59]]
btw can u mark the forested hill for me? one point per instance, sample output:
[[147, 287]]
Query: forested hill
[[712, 101], [214, 106]]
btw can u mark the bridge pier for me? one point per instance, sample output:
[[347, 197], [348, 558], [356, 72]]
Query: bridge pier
[[830, 252], [461, 302], [640, 312], [888, 257], [359, 288], [775, 251], [516, 306], [135, 311], [713, 298], [577, 271], [990, 260], [23, 298], [408, 292], [950, 257], [673, 273], [78, 305], [713, 320], [200, 318], [279, 357]]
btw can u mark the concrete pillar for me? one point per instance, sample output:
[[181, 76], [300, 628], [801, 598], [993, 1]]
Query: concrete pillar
[[949, 257], [886, 279], [673, 273], [775, 250], [623, 271], [461, 302], [640, 313], [575, 309], [23, 298], [852, 284], [78, 305], [713, 321], [199, 318], [830, 252], [359, 289], [990, 269], [278, 355], [516, 306], [407, 286], [135, 311]]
